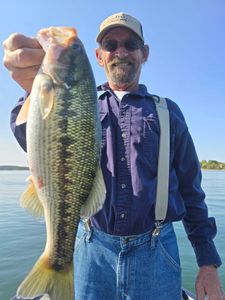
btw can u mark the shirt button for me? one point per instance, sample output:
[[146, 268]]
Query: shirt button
[[122, 216], [123, 186], [123, 135], [122, 158]]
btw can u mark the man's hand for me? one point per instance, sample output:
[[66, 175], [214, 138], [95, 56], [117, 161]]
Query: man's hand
[[208, 284], [22, 57]]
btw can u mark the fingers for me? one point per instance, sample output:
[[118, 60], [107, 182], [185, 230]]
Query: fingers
[[17, 41], [208, 284], [22, 58], [200, 293], [24, 77]]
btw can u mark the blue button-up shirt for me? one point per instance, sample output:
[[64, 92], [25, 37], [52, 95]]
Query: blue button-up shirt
[[130, 148]]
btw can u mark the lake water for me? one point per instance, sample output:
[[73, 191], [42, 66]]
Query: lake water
[[22, 238]]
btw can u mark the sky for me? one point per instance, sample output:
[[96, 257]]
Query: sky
[[186, 63]]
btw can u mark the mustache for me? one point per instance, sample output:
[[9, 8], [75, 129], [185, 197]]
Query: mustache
[[120, 61]]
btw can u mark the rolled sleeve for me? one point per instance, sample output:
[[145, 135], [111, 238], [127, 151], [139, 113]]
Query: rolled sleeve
[[19, 131]]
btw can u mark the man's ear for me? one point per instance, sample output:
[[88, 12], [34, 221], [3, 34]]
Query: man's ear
[[98, 54], [145, 52]]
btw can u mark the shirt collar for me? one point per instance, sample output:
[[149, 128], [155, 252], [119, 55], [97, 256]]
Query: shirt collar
[[104, 89]]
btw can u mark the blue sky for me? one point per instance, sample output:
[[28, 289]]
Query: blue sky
[[186, 63]]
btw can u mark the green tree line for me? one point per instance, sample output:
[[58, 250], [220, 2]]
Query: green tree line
[[212, 165]]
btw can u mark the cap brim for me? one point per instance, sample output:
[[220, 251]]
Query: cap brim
[[104, 31]]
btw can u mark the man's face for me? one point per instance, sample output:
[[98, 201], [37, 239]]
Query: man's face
[[121, 54]]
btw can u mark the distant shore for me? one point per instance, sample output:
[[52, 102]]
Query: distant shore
[[205, 165], [212, 165], [13, 168]]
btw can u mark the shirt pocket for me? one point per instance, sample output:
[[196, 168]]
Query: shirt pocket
[[151, 136], [104, 119], [151, 140]]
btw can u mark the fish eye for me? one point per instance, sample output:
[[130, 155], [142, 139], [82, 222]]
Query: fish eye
[[75, 46]]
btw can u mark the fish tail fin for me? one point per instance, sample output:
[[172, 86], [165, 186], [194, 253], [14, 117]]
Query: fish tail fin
[[43, 279]]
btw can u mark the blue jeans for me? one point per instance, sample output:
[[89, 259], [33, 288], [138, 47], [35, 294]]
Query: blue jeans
[[140, 267]]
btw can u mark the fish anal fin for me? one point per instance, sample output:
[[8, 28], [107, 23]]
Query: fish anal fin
[[44, 279], [46, 95], [23, 113], [96, 197], [30, 201]]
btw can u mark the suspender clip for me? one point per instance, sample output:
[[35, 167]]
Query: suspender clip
[[157, 229]]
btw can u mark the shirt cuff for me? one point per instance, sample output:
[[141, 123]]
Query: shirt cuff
[[206, 254]]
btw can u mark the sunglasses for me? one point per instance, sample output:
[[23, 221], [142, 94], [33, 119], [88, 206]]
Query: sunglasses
[[129, 45]]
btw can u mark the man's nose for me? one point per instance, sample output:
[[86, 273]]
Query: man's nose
[[121, 51]]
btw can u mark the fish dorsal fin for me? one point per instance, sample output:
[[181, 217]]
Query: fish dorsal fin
[[23, 113], [96, 197], [30, 201], [46, 95]]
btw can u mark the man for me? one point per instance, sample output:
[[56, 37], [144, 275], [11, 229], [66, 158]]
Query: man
[[118, 256]]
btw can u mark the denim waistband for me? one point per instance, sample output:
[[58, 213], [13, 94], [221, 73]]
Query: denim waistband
[[129, 240]]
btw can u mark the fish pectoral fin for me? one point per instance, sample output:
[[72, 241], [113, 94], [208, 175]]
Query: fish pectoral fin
[[23, 113], [44, 279], [46, 95], [30, 201], [96, 197]]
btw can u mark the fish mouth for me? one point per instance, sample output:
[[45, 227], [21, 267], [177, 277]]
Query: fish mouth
[[56, 41], [63, 36]]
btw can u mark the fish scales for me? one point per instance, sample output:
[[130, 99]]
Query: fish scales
[[63, 143], [72, 144], [82, 147]]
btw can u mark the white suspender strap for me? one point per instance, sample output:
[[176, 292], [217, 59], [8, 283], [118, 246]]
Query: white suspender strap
[[163, 161]]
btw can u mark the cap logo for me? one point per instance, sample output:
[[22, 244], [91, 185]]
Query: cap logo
[[123, 20]]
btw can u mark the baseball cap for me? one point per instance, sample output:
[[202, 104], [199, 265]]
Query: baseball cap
[[120, 19]]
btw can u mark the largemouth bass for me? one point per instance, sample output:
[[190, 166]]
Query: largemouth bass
[[63, 145]]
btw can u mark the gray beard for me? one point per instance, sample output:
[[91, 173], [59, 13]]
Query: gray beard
[[120, 76]]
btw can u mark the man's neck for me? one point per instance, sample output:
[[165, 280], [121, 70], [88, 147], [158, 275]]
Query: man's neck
[[123, 87]]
